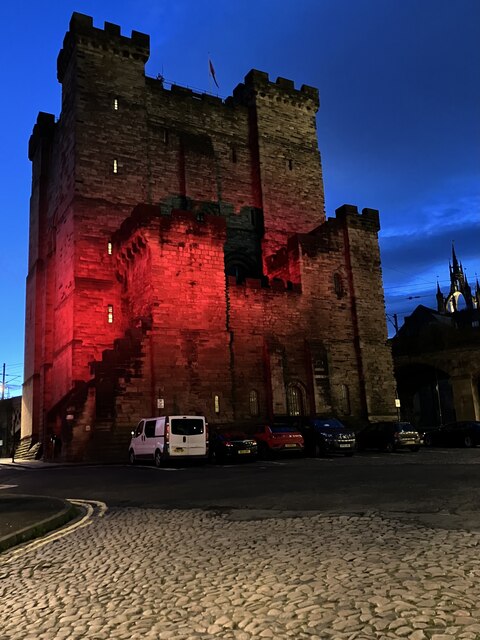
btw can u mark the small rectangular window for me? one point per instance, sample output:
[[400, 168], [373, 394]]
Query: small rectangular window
[[165, 136], [115, 166], [115, 104], [290, 164], [234, 154], [216, 401], [109, 248], [110, 314]]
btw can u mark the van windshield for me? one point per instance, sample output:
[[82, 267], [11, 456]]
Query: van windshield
[[186, 426]]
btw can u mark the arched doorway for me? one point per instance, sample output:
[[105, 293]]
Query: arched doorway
[[426, 397]]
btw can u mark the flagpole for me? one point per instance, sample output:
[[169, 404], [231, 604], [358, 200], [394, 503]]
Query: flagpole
[[209, 74]]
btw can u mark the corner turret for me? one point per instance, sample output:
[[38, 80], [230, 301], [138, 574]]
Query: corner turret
[[83, 35]]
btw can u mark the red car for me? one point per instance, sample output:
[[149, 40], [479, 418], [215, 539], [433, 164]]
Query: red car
[[278, 438]]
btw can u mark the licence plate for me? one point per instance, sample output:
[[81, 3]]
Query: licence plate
[[291, 446], [345, 446], [179, 449], [244, 451], [409, 442]]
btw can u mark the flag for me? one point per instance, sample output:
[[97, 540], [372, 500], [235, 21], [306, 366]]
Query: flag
[[212, 72]]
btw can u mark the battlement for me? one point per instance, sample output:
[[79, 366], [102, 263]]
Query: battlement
[[258, 83], [276, 285], [369, 218], [143, 214], [41, 130], [81, 29]]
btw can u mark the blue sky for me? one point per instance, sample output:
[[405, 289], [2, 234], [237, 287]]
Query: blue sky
[[398, 127]]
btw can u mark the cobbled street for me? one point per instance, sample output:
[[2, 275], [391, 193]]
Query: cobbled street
[[193, 574]]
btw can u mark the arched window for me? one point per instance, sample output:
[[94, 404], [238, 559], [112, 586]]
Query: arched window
[[295, 400], [253, 401]]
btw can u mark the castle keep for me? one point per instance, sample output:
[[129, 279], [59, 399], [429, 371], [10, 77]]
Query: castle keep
[[180, 259]]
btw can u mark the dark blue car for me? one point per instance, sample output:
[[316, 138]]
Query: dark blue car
[[465, 433], [324, 436]]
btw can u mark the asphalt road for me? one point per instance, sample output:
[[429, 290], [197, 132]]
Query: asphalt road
[[436, 486]]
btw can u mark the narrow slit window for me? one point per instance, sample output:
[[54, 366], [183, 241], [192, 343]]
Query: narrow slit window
[[110, 314], [115, 104], [109, 248], [338, 285], [234, 154], [115, 166], [290, 164], [216, 402], [253, 403], [346, 399], [165, 136]]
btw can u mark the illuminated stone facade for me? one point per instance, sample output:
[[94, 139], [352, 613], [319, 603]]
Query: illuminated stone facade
[[181, 261]]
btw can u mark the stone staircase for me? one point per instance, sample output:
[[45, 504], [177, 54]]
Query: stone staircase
[[28, 450], [118, 371]]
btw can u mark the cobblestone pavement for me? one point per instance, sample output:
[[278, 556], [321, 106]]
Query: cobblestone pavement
[[188, 575]]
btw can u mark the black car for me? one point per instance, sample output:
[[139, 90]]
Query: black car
[[324, 436], [465, 433], [389, 436], [231, 447]]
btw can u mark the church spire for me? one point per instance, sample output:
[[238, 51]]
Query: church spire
[[459, 286], [440, 299]]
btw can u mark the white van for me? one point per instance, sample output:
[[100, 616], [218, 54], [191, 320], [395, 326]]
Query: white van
[[169, 437]]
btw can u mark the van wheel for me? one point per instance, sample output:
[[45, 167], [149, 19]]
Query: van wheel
[[131, 457], [388, 447], [158, 458]]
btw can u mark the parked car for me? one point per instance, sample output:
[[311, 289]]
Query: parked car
[[389, 436], [231, 447], [163, 438], [465, 433], [323, 436], [277, 438]]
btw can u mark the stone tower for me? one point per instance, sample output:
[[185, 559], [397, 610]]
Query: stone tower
[[180, 258]]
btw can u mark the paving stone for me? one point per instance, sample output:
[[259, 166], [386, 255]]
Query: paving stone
[[304, 586]]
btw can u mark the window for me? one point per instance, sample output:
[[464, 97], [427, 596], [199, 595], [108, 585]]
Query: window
[[115, 166], [338, 285], [187, 426], [216, 402], [110, 314], [115, 104], [295, 400], [165, 136], [346, 399], [290, 164], [233, 154], [150, 428], [109, 248], [253, 400]]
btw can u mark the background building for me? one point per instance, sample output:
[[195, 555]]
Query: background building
[[437, 356], [180, 259], [10, 410]]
